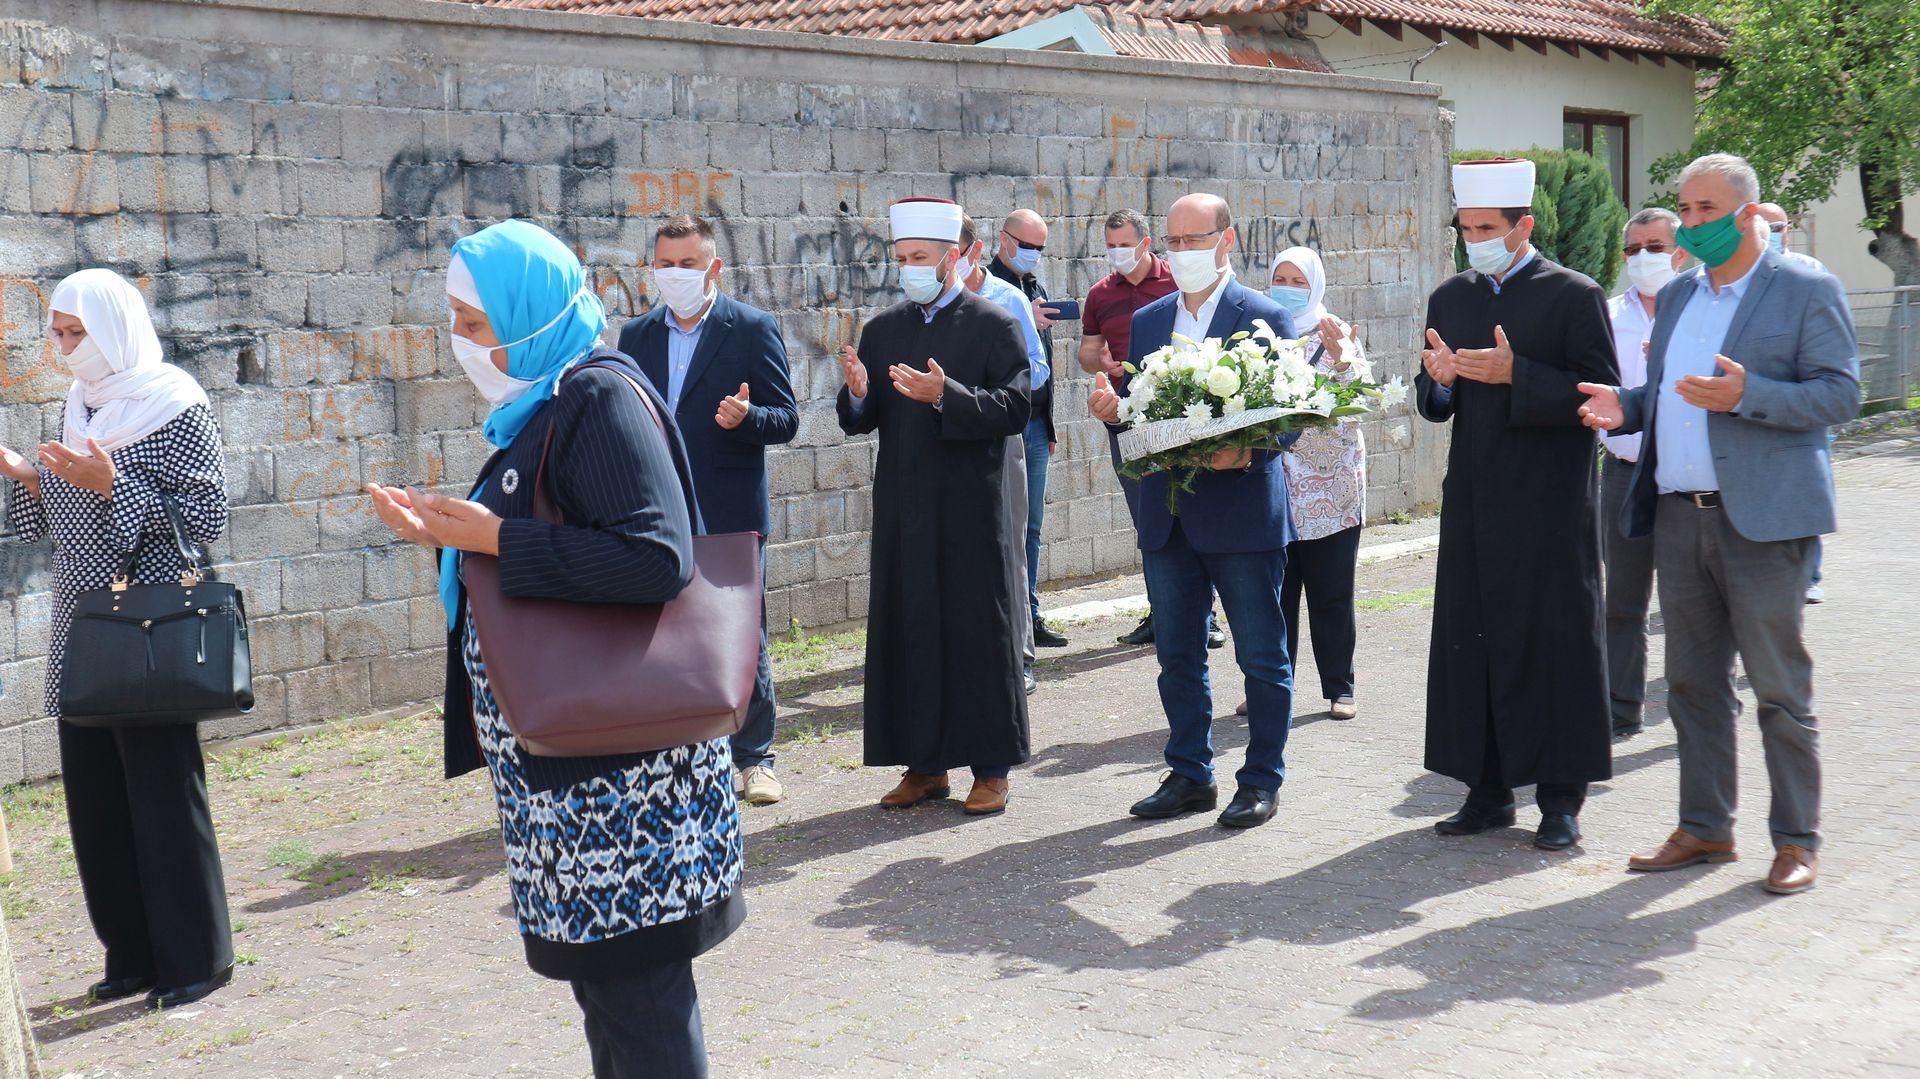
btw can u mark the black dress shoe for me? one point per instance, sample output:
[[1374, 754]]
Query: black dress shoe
[[1251, 807], [173, 998], [1045, 637], [114, 988], [1142, 633], [1557, 831], [1624, 731], [1474, 819], [1216, 637], [1177, 795]]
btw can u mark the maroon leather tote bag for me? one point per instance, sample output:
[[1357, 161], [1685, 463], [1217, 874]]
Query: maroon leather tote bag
[[598, 679]]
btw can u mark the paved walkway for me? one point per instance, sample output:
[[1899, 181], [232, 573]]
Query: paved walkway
[[1064, 938]]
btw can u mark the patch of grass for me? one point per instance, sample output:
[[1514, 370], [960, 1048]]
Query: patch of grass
[[847, 764], [800, 652], [1413, 597], [298, 770], [341, 928], [35, 804], [14, 900], [1400, 517], [239, 764], [246, 959], [810, 733], [1894, 404], [321, 868], [236, 1037], [241, 927]]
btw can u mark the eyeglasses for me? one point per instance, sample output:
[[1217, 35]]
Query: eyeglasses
[[1192, 240], [1657, 247], [1022, 244], [1777, 226]]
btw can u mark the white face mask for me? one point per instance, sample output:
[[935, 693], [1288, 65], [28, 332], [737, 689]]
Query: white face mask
[[1194, 271], [963, 271], [1123, 259], [1491, 257], [923, 284], [684, 291], [1650, 270], [87, 362], [495, 385]]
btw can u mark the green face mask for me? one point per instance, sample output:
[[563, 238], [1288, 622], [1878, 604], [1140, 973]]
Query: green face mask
[[1713, 242]]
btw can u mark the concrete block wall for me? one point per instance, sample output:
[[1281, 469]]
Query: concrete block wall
[[284, 180]]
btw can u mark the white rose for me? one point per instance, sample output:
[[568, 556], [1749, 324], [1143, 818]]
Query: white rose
[[1234, 406], [1223, 382], [1322, 401]]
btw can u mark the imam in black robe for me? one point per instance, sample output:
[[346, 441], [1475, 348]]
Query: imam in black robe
[[1518, 648], [948, 600]]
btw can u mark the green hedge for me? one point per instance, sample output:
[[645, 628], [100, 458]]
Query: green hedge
[[1577, 219]]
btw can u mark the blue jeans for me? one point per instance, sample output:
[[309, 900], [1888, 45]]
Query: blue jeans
[[1037, 456], [753, 742], [1180, 584]]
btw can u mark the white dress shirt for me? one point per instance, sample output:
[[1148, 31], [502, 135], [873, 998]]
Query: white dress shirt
[[1632, 326], [1193, 327]]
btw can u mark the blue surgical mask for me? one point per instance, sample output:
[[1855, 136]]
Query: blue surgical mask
[[1024, 260], [1490, 257], [922, 284], [1777, 241], [1292, 297]]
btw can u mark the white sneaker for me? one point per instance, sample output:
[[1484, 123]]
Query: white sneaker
[[760, 787], [1343, 708], [1816, 594]]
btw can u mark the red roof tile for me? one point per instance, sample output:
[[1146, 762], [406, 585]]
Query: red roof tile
[[1618, 24]]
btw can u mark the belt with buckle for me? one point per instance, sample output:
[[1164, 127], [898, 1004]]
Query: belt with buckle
[[1706, 500]]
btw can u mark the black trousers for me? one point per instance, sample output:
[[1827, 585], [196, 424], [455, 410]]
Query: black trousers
[[1324, 569], [646, 1024], [143, 839], [1492, 791]]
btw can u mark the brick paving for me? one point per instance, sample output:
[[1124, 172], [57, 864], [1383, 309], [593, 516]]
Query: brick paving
[[1063, 938]]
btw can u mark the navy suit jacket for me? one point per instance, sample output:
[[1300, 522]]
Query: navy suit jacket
[[1229, 512], [741, 343]]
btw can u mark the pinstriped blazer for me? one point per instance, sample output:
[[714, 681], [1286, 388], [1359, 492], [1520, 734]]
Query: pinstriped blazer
[[626, 499]]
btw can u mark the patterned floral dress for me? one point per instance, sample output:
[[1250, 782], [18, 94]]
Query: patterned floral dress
[[641, 847], [1327, 470]]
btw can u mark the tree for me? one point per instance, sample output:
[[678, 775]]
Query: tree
[[1577, 219], [1809, 90]]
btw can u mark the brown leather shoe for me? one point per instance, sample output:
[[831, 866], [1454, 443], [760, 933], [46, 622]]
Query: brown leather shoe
[[1680, 850], [914, 789], [987, 796], [1794, 868]]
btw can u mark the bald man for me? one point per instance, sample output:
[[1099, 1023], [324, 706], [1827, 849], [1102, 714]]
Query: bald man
[[1016, 260], [1230, 537], [1779, 229]]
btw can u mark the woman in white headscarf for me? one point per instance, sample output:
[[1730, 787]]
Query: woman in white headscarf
[[1326, 487], [137, 432]]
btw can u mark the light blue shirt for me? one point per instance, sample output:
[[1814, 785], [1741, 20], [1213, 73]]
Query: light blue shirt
[[1015, 302], [1683, 460], [681, 345], [1444, 394]]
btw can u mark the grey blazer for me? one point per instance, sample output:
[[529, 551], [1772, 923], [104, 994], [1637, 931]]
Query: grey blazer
[[1794, 335]]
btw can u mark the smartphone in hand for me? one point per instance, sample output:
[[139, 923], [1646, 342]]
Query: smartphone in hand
[[1063, 310]]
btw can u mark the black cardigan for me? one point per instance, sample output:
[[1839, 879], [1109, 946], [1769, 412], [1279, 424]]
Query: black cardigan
[[625, 496]]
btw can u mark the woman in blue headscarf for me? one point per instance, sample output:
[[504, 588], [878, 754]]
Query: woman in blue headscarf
[[622, 868]]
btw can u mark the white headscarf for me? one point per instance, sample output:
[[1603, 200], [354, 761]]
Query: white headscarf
[[1308, 262], [141, 394]]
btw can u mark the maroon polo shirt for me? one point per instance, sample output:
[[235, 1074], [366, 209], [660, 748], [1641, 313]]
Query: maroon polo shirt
[[1112, 301]]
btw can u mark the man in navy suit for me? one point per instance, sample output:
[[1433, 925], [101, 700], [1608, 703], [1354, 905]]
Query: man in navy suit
[[1230, 536], [722, 367]]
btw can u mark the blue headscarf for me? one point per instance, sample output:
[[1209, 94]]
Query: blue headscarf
[[526, 279]]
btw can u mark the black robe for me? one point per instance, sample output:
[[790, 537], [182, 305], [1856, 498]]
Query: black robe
[[1518, 647], [948, 596]]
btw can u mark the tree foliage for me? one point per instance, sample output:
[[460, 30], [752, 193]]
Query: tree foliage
[[1809, 90], [1577, 219]]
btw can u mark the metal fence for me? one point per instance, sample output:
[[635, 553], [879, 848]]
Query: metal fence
[[1888, 322]]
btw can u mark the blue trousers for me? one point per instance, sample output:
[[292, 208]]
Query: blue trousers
[[1180, 586], [753, 742], [1037, 455], [644, 1024]]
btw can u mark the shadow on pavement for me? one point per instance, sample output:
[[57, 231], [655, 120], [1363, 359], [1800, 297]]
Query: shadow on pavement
[[470, 857], [1580, 950], [62, 1019], [1434, 795]]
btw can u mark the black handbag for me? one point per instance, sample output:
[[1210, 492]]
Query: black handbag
[[146, 655]]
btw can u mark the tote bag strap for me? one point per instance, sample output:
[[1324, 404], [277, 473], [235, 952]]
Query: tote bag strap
[[192, 557], [543, 506]]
